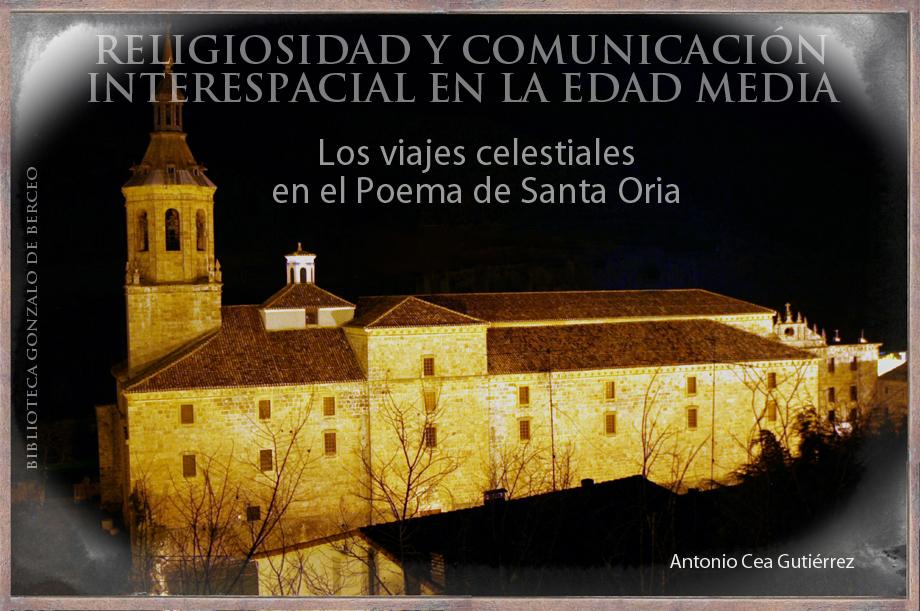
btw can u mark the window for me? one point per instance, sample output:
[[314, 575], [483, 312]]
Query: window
[[431, 437], [431, 401], [854, 414], [524, 429], [610, 390], [143, 238], [771, 410], [524, 395], [691, 417], [171, 170], [303, 275], [610, 423], [187, 414], [831, 364], [201, 236], [854, 364], [831, 415], [265, 460], [172, 229], [831, 395], [771, 380], [253, 513], [789, 331], [691, 385], [428, 366], [188, 465], [265, 409], [329, 444], [854, 394], [328, 406]]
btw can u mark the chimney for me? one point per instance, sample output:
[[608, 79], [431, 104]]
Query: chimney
[[493, 496]]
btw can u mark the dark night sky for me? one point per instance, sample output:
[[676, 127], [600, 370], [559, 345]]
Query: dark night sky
[[785, 202]]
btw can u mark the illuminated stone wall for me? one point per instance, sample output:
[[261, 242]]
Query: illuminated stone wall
[[164, 318], [227, 429], [843, 377], [156, 264], [172, 296], [652, 429]]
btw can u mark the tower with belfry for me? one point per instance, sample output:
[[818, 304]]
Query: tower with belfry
[[172, 278]]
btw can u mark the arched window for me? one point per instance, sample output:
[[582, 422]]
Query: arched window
[[172, 229], [201, 238], [292, 275], [303, 274], [143, 240]]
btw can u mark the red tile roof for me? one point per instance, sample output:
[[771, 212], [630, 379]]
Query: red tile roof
[[168, 149], [378, 312], [627, 344], [305, 295], [241, 353], [562, 305]]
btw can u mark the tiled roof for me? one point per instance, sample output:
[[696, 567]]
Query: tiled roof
[[627, 344], [305, 295], [562, 305], [168, 149], [243, 354], [377, 312]]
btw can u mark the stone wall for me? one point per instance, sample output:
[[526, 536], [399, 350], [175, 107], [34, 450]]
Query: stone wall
[[111, 459], [652, 429], [228, 433], [396, 354], [156, 264], [164, 318], [842, 377]]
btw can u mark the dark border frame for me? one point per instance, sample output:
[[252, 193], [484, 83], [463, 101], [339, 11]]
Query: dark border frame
[[911, 7]]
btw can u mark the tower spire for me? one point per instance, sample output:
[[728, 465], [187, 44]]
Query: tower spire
[[168, 59], [167, 110]]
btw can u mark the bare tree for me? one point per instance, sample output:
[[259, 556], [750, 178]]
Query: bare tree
[[520, 468], [777, 400], [398, 480], [205, 529]]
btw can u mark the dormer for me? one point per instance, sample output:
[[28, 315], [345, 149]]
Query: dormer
[[301, 304]]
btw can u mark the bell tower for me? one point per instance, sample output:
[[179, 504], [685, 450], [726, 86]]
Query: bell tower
[[172, 279]]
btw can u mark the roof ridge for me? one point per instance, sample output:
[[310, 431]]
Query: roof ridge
[[445, 308], [571, 291], [745, 301], [401, 301], [291, 286], [330, 293]]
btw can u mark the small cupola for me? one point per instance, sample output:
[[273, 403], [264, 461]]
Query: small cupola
[[300, 267]]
